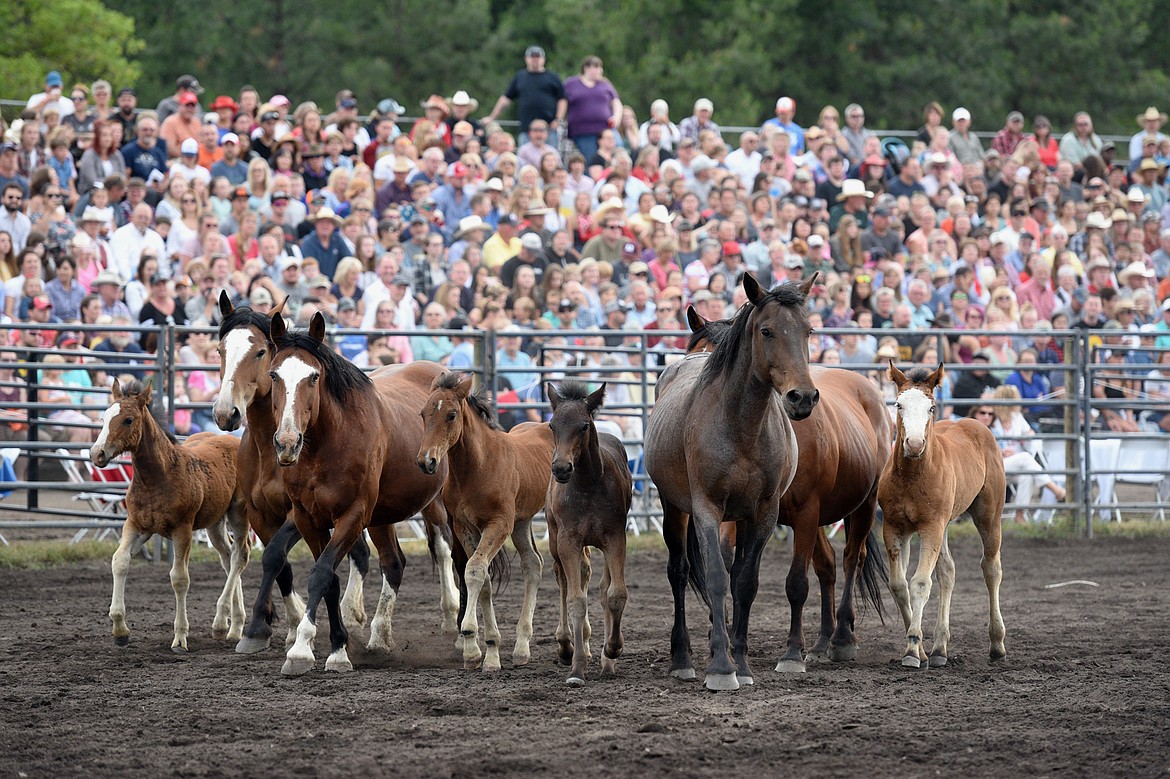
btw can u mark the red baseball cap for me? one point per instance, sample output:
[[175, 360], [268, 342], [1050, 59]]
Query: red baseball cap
[[188, 98], [224, 101], [731, 247], [457, 169]]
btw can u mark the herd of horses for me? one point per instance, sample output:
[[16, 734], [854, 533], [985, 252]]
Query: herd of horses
[[744, 434]]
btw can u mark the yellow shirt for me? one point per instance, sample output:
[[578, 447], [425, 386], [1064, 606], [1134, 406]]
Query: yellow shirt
[[496, 252]]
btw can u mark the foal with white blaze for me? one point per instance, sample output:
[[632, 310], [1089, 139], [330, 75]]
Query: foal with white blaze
[[939, 471], [176, 490]]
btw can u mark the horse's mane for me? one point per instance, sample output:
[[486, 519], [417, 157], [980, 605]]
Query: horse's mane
[[728, 344], [135, 387], [342, 377], [244, 317], [919, 375], [573, 390], [478, 404], [714, 331]]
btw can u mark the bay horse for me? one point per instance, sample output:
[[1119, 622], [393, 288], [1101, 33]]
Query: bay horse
[[343, 444], [175, 491], [587, 503], [843, 448], [497, 484], [939, 471], [245, 359], [720, 448]]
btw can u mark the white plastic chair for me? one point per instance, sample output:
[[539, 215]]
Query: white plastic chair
[[1148, 463], [103, 505]]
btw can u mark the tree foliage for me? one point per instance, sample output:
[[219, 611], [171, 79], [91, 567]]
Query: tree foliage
[[1038, 56], [82, 39]]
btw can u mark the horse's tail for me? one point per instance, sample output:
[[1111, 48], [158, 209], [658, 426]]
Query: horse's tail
[[500, 571], [359, 555], [874, 575], [436, 533], [696, 567]]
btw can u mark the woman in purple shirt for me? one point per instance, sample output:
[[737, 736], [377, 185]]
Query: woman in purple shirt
[[593, 105]]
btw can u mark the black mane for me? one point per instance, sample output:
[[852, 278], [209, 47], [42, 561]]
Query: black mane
[[135, 387], [728, 344], [571, 389], [919, 375], [244, 317], [714, 331], [342, 377], [478, 404]]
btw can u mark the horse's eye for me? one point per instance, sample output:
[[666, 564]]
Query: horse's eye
[[451, 417], [261, 353], [127, 422], [898, 406], [313, 379], [584, 427], [766, 332], [273, 375]]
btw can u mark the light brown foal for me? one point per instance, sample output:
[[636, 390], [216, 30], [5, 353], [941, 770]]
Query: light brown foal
[[938, 472]]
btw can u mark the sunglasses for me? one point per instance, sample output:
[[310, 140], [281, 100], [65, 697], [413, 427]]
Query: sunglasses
[[984, 413], [187, 200]]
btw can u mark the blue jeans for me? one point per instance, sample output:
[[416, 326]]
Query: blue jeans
[[586, 144]]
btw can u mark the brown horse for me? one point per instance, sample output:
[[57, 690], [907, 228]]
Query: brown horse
[[720, 448], [245, 360], [176, 490], [496, 486], [343, 445], [843, 447], [939, 471], [588, 500]]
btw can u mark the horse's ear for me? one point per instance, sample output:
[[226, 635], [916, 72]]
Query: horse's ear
[[695, 319], [225, 303], [595, 400], [279, 307], [936, 378], [147, 389], [807, 285], [277, 330], [116, 390], [464, 388], [896, 375], [317, 326], [554, 399], [752, 288]]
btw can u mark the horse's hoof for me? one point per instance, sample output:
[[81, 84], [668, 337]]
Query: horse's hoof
[[791, 667], [121, 640], [575, 681], [296, 666], [686, 674], [608, 665], [937, 661], [521, 659], [340, 665], [490, 669], [219, 634], [843, 654], [250, 646], [911, 661], [721, 682], [997, 654], [744, 681], [179, 649]]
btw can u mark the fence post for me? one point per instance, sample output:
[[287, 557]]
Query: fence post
[[34, 461], [1086, 387]]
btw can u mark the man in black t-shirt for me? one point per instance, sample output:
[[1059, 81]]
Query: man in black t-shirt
[[538, 94]]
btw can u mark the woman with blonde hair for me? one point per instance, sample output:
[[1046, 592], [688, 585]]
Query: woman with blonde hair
[[347, 281], [1017, 446], [258, 184], [846, 244]]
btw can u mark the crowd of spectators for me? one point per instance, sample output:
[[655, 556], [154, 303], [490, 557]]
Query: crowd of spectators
[[586, 219]]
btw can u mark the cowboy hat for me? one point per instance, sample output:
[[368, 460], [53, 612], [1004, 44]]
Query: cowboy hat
[[470, 224], [325, 212], [660, 214], [1098, 220], [853, 188], [1134, 268], [461, 98], [435, 101], [1151, 114], [613, 204]]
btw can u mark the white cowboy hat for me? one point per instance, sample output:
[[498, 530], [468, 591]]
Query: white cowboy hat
[[853, 188], [325, 212], [1098, 220], [1137, 267], [659, 213], [461, 98], [469, 224]]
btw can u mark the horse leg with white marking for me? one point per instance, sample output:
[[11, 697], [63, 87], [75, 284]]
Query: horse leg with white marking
[[946, 586], [218, 536], [532, 566], [353, 606], [491, 540], [440, 542], [931, 545], [586, 576], [274, 561], [132, 541], [180, 583], [393, 563], [898, 552], [300, 658]]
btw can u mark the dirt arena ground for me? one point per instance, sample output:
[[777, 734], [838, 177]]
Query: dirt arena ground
[[1085, 690]]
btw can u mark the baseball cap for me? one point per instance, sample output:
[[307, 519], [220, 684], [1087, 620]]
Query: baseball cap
[[793, 261], [531, 242], [534, 51], [346, 304], [8, 146], [289, 262], [457, 169], [704, 104], [189, 83], [959, 114], [401, 280], [509, 219], [786, 104], [639, 267], [616, 305], [229, 138], [190, 147], [243, 192], [629, 247], [731, 247], [269, 116], [566, 305], [188, 98], [41, 302], [279, 194], [702, 296], [68, 338], [157, 278], [53, 79], [320, 281], [127, 91], [815, 240], [260, 295], [349, 102]]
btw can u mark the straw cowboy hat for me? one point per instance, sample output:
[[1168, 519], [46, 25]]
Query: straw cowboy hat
[[613, 204], [470, 224], [325, 212], [853, 188], [461, 98], [435, 101], [1150, 115], [660, 214], [1137, 268]]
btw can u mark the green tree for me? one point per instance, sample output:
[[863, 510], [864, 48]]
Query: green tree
[[81, 39]]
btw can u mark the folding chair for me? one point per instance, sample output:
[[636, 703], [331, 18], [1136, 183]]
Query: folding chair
[[103, 505], [1146, 462]]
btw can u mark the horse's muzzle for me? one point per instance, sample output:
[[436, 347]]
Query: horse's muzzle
[[427, 463], [799, 404], [562, 471], [227, 420], [99, 457], [287, 454]]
